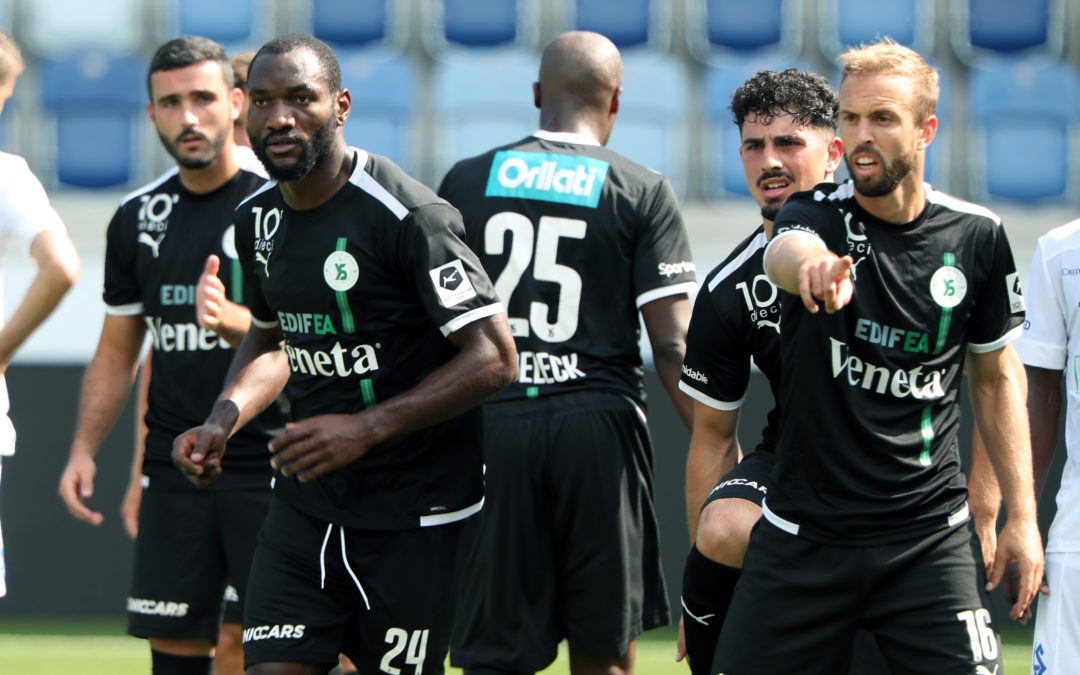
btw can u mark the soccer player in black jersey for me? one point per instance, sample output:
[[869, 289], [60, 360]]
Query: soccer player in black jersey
[[865, 523], [379, 322], [787, 121], [579, 240], [167, 244]]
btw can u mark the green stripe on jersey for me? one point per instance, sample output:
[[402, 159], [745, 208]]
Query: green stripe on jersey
[[927, 434], [347, 323], [367, 391], [532, 392], [236, 288], [946, 312]]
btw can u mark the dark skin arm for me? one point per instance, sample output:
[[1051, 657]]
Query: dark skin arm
[[666, 321], [485, 363]]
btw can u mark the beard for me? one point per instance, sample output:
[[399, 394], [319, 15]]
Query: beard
[[312, 152], [771, 207], [893, 173], [216, 144]]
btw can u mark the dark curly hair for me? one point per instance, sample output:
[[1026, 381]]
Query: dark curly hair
[[805, 96]]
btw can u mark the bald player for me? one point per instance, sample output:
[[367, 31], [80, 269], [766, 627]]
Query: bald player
[[579, 240]]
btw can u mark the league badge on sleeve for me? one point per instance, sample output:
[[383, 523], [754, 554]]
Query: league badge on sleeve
[[1016, 296], [452, 283]]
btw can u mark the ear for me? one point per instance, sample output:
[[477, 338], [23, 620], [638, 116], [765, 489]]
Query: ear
[[237, 98], [614, 107], [536, 95], [342, 106], [150, 112], [926, 132], [834, 154]]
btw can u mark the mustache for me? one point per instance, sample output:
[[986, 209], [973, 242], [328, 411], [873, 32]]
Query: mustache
[[192, 134], [280, 138], [867, 149], [774, 174]]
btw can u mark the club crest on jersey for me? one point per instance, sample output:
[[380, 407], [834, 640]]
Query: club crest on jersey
[[452, 284], [948, 286], [340, 271], [549, 177], [1016, 295]]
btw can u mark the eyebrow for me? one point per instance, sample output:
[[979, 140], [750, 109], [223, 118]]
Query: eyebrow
[[784, 137], [295, 89], [193, 92]]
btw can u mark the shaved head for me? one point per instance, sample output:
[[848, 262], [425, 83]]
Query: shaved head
[[580, 79]]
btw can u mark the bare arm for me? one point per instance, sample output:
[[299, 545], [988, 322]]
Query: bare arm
[[57, 271], [1044, 410], [129, 507], [999, 396], [984, 498], [714, 451], [485, 363], [666, 320], [800, 264], [214, 311], [105, 389]]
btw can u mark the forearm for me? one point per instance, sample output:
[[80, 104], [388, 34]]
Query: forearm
[[1044, 410], [708, 460], [235, 323], [669, 369], [666, 322], [999, 394], [984, 494], [787, 257], [105, 390], [58, 270], [259, 372], [142, 401]]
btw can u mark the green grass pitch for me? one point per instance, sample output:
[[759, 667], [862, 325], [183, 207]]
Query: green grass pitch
[[45, 647]]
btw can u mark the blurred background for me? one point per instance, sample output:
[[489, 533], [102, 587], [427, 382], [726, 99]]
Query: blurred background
[[434, 81]]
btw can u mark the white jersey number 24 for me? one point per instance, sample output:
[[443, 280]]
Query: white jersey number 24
[[540, 248]]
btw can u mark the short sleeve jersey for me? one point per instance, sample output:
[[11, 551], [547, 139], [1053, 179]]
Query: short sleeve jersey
[[868, 450], [158, 242], [736, 320], [25, 212], [1051, 340], [577, 239], [365, 289]]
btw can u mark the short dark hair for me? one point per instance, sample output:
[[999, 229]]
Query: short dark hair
[[805, 96], [240, 63], [188, 50], [328, 60]]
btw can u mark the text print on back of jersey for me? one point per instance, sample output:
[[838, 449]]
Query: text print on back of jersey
[[549, 177]]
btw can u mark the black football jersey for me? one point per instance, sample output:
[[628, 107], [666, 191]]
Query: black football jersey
[[868, 449], [365, 288], [736, 320], [576, 238], [158, 242]]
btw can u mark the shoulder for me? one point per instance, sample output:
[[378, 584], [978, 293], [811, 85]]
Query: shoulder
[[971, 213], [1061, 239], [744, 260], [162, 182]]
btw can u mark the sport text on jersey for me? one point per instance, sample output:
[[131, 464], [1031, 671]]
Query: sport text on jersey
[[339, 361], [549, 177], [153, 218], [545, 368], [898, 383], [183, 337]]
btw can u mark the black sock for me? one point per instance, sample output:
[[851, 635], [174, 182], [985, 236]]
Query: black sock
[[706, 594], [174, 664]]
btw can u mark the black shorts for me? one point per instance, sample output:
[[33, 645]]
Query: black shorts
[[384, 598], [749, 479], [567, 543], [232, 610], [798, 603], [190, 544]]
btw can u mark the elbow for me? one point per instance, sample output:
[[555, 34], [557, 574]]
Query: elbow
[[506, 368]]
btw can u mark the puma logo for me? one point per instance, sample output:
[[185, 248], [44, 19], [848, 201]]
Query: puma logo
[[259, 257], [154, 244]]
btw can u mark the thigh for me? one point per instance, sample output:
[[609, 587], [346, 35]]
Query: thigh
[[300, 600], [929, 607], [794, 609], [407, 579], [179, 575], [1057, 617], [599, 474], [240, 516]]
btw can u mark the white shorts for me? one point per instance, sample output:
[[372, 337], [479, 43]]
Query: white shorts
[[1056, 645]]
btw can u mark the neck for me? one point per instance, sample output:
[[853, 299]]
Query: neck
[[316, 188], [768, 225], [213, 176], [557, 121], [902, 205]]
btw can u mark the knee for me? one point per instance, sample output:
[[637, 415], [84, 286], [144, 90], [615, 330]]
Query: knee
[[722, 536]]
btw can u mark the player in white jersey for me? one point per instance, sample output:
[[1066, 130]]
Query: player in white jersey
[[26, 217], [1050, 350]]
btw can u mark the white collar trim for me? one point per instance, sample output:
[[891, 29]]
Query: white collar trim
[[566, 137]]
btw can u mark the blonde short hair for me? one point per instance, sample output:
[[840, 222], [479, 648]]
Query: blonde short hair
[[11, 61], [891, 58]]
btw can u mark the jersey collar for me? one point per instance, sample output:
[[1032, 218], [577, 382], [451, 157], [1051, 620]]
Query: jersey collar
[[565, 137]]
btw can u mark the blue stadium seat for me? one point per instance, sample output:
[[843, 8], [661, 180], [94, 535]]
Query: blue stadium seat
[[716, 28], [1006, 27], [652, 127], [231, 23], [482, 98], [1024, 119], [94, 101], [56, 28], [721, 166], [480, 23], [849, 23], [355, 23], [636, 23], [384, 87]]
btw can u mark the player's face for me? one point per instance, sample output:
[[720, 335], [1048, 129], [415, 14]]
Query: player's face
[[293, 119], [883, 144], [781, 156], [193, 109]]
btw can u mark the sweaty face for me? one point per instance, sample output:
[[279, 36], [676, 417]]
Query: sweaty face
[[193, 112], [877, 125], [783, 157], [292, 120]]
